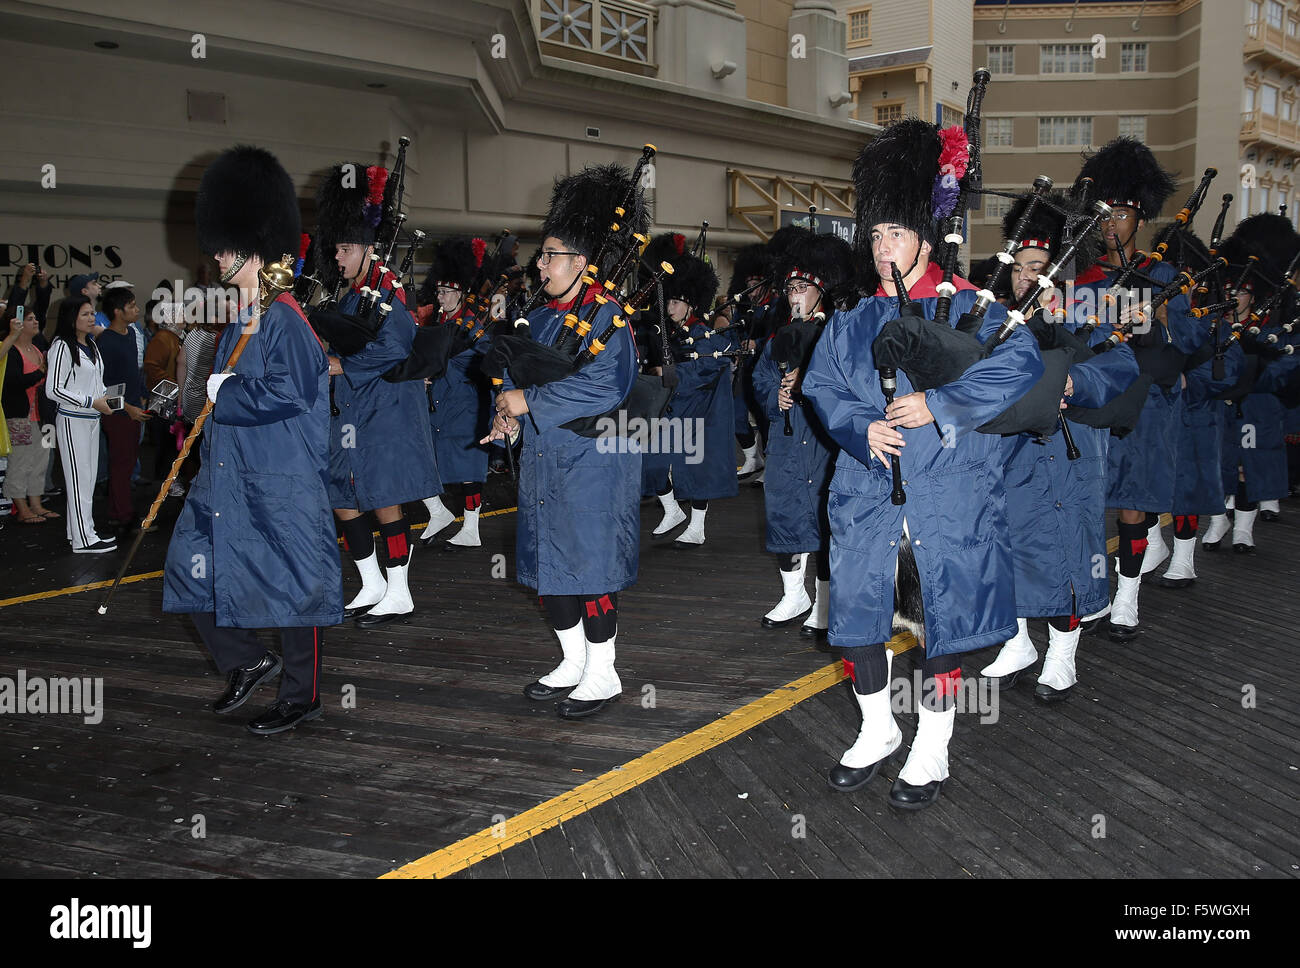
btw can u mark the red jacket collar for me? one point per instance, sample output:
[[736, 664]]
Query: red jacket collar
[[590, 297], [925, 287]]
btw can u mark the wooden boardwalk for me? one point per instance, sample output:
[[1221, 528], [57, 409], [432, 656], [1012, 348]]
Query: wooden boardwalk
[[1154, 768]]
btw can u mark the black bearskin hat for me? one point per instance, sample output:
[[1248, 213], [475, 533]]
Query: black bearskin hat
[[351, 204], [1125, 172], [665, 247], [908, 175], [1268, 236], [583, 208], [693, 281], [1055, 218], [458, 262], [826, 261], [751, 263], [247, 205]]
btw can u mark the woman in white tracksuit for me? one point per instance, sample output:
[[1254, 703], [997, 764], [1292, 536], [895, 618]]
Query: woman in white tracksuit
[[76, 383]]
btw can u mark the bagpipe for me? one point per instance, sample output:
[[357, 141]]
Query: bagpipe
[[530, 363], [792, 348]]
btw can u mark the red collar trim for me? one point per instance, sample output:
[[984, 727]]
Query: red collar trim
[[288, 300], [1094, 273], [926, 286], [590, 297]]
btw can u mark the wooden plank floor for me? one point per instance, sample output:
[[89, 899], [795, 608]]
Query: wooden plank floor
[[441, 744]]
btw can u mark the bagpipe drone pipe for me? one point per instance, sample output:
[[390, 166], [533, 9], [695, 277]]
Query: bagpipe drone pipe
[[792, 348]]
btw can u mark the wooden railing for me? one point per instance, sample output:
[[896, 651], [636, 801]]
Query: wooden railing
[[766, 196], [1264, 39], [1258, 126]]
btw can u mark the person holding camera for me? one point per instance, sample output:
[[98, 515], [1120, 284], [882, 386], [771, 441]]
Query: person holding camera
[[118, 348], [75, 382]]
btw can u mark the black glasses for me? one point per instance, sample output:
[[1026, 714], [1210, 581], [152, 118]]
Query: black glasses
[[544, 258]]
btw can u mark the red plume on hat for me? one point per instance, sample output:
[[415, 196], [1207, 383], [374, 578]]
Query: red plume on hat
[[479, 247]]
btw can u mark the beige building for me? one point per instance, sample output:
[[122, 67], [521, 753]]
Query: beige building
[[113, 111], [1205, 84]]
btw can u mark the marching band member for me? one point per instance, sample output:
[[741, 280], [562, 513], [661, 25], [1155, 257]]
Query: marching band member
[[954, 519], [1253, 464], [1056, 507], [755, 302], [799, 465], [579, 519], [703, 397], [459, 406], [254, 546], [1140, 472], [381, 450]]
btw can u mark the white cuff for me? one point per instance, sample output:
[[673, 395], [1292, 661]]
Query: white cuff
[[214, 384]]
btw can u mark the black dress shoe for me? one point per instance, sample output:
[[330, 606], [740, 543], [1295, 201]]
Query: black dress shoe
[[538, 692], [1168, 582], [1244, 549], [808, 632], [1010, 679], [582, 708], [244, 681], [847, 779], [1123, 633], [283, 716], [905, 796], [1045, 693], [351, 613], [1269, 515], [766, 622], [370, 619]]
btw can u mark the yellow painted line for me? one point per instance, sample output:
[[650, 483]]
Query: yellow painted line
[[476, 847], [144, 576], [1112, 545]]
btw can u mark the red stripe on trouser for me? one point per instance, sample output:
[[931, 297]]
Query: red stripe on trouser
[[591, 609], [1074, 623], [947, 683], [397, 546], [849, 670], [1137, 547], [606, 606], [473, 501]]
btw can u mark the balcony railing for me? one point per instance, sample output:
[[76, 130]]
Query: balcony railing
[[1265, 40], [1258, 126], [764, 197], [620, 29]]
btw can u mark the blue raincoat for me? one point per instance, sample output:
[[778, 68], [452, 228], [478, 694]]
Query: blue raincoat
[[703, 401], [255, 541], [955, 510], [1142, 465], [579, 520], [1056, 506], [381, 448], [1197, 479], [799, 468], [1261, 424], [461, 415]]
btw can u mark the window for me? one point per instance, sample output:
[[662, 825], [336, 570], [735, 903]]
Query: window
[[949, 115], [1268, 100], [1002, 59], [860, 27], [1292, 26], [996, 207], [1281, 202], [1273, 13], [1263, 198], [998, 132], [1252, 19], [1245, 202], [1248, 99], [1133, 126], [887, 113], [1288, 109], [1053, 132], [1065, 59], [1133, 58]]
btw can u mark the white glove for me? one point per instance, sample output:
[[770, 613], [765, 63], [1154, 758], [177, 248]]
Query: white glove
[[214, 384]]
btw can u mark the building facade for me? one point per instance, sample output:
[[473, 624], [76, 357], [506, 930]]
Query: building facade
[[115, 111]]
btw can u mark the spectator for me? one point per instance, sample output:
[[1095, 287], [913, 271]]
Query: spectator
[[160, 363], [76, 382], [18, 295], [24, 373], [117, 346], [137, 327], [88, 286]]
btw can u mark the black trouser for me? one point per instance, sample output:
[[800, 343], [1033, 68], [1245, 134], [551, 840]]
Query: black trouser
[[234, 648]]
